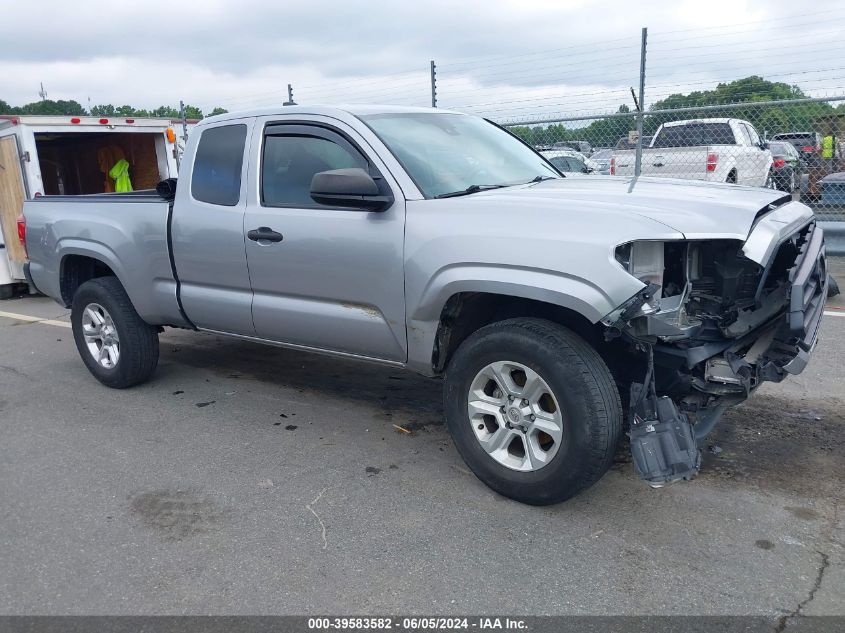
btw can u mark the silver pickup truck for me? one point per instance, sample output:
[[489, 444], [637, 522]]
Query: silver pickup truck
[[440, 243]]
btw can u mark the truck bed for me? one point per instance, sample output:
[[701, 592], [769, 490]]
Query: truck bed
[[127, 231]]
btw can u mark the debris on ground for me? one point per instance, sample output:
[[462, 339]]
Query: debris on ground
[[402, 429]]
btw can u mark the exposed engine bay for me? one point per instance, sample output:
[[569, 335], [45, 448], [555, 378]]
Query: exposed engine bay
[[712, 324]]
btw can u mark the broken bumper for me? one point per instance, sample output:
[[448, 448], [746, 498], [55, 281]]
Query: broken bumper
[[808, 292], [771, 351]]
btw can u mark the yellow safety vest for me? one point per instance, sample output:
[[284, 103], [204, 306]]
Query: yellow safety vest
[[827, 147], [120, 174]]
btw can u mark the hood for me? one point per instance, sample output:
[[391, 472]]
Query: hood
[[699, 210]]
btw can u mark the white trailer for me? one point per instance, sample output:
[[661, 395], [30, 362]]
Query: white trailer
[[71, 155]]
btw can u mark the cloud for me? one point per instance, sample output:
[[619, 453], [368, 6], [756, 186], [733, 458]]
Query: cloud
[[499, 57]]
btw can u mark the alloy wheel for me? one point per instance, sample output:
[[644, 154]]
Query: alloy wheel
[[101, 335], [515, 416]]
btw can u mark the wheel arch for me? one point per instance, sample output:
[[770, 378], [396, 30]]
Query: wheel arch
[[79, 263]]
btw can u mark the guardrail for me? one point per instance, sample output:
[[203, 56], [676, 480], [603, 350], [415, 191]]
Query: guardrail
[[834, 237]]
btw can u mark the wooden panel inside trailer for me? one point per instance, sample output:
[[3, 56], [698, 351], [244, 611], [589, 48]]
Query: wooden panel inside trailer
[[11, 197]]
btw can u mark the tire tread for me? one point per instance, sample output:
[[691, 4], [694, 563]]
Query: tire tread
[[139, 347]]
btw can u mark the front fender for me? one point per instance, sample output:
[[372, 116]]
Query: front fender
[[574, 293], [577, 294]]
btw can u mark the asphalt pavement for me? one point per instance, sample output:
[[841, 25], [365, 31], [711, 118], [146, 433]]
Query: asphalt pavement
[[254, 480]]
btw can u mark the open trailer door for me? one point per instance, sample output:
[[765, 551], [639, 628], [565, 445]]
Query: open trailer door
[[11, 197]]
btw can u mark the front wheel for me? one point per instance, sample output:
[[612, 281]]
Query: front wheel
[[533, 410], [118, 347]]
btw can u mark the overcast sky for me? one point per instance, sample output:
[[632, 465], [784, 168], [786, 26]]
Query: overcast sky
[[504, 58]]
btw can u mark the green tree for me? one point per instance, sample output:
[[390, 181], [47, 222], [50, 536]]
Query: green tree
[[103, 110], [218, 110], [165, 112], [770, 119], [192, 112], [50, 107]]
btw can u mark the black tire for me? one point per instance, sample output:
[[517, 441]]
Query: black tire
[[138, 340], [731, 178], [579, 379]]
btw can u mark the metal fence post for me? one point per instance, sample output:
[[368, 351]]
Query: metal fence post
[[638, 163], [433, 85], [184, 118]]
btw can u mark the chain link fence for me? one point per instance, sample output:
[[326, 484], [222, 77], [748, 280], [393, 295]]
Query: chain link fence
[[792, 145]]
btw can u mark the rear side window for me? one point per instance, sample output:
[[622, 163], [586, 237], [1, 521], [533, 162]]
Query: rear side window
[[694, 134], [755, 138], [216, 178]]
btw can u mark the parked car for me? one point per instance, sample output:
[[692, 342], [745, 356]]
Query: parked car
[[787, 168], [437, 242], [807, 144], [570, 161], [601, 158], [579, 146], [715, 150], [625, 143]]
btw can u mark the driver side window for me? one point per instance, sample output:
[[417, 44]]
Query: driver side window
[[290, 162]]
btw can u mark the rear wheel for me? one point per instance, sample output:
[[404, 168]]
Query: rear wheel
[[533, 410], [118, 347]]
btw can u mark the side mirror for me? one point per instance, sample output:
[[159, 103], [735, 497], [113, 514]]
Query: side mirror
[[352, 187]]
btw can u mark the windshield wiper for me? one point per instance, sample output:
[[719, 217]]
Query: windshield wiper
[[542, 178], [469, 190]]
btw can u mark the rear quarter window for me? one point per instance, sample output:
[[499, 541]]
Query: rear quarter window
[[216, 178]]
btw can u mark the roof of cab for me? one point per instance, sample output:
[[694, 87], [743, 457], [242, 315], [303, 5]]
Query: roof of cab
[[325, 110]]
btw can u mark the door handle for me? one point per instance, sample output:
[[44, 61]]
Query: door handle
[[264, 234], [658, 165]]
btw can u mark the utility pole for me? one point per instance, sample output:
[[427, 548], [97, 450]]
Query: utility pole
[[433, 84], [290, 101], [42, 93], [638, 163]]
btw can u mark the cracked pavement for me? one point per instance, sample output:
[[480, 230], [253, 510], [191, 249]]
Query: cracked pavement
[[200, 492]]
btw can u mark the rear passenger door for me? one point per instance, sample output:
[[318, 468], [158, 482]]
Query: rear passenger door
[[331, 278], [207, 230]]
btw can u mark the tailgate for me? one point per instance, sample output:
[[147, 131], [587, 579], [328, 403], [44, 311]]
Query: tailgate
[[667, 162], [675, 162]]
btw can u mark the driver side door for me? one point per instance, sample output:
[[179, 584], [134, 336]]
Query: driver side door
[[330, 278]]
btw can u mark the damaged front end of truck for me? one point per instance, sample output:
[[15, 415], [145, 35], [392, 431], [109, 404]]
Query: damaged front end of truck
[[715, 319]]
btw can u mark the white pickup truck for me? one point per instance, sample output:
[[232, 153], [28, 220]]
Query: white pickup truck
[[715, 150]]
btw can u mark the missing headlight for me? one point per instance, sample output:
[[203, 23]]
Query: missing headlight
[[643, 259]]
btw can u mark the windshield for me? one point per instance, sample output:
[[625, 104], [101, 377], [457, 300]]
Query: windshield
[[446, 153]]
